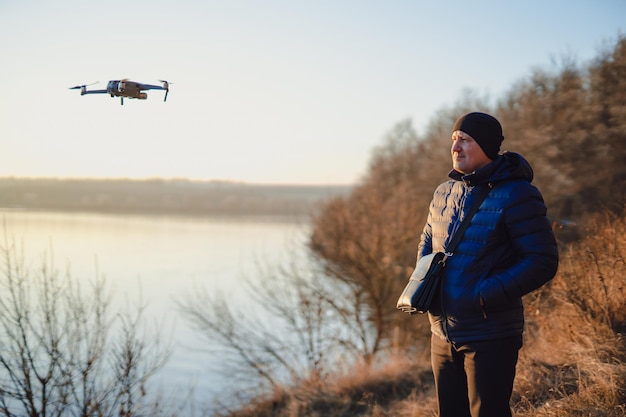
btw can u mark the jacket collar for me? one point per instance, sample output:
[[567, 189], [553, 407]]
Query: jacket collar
[[508, 166], [478, 177]]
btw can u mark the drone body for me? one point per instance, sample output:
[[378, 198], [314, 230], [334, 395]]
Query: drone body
[[125, 88]]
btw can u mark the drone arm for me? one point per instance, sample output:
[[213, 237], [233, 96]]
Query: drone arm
[[150, 87], [83, 92], [165, 86]]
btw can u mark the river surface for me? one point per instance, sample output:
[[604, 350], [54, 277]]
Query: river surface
[[159, 260]]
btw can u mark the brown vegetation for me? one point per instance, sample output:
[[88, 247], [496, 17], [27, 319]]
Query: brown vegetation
[[573, 361]]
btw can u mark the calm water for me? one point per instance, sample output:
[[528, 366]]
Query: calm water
[[159, 259]]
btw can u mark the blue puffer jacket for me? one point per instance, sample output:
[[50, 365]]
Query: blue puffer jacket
[[507, 251]]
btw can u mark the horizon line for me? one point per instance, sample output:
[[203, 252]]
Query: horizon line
[[179, 179]]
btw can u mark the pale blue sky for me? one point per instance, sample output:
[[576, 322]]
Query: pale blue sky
[[263, 91]]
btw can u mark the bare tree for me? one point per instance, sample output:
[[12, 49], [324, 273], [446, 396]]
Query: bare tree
[[291, 325], [368, 241], [567, 123], [64, 352]]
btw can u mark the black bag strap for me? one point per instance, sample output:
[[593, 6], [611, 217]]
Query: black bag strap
[[482, 194]]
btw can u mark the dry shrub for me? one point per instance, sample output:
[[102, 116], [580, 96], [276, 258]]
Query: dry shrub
[[399, 387], [574, 361]]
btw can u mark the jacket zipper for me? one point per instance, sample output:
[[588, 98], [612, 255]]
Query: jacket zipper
[[444, 315]]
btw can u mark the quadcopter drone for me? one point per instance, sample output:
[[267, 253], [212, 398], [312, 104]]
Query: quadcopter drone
[[125, 88]]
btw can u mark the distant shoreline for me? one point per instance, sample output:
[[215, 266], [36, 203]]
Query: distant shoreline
[[165, 197], [301, 218]]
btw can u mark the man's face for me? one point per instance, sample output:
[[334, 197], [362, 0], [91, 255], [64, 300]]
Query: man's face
[[467, 155]]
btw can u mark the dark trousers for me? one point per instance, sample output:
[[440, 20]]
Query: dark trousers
[[474, 379]]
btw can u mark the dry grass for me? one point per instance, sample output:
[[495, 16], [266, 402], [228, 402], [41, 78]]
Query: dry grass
[[397, 388], [573, 362]]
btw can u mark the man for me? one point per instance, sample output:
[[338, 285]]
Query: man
[[507, 251]]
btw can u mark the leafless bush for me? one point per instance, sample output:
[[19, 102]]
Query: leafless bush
[[64, 352], [294, 326]]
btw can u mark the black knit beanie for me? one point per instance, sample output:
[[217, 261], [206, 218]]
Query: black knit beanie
[[484, 129]]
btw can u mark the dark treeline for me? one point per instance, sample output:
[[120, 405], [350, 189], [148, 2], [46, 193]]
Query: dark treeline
[[160, 196]]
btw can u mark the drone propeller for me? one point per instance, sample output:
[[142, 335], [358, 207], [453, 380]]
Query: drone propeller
[[82, 88], [166, 86], [78, 87]]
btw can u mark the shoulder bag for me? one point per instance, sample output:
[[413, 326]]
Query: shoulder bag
[[426, 278]]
